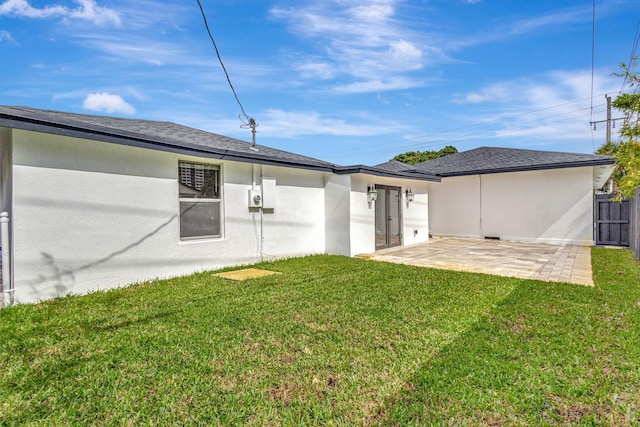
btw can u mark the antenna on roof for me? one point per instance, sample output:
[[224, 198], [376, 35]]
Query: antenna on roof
[[247, 121]]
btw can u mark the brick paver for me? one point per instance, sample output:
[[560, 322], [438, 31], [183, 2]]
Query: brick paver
[[551, 263]]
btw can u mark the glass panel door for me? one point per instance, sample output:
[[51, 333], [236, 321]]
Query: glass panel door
[[393, 215], [388, 217], [381, 218]]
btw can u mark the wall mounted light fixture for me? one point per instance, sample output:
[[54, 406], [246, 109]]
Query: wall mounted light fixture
[[372, 193], [410, 195]]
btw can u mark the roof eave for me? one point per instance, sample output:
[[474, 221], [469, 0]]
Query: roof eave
[[368, 170], [131, 139], [586, 163]]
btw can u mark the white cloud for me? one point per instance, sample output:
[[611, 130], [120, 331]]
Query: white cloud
[[373, 85], [541, 110], [372, 12], [405, 55], [515, 26], [135, 48], [362, 40], [278, 124], [470, 98], [6, 36], [108, 103], [22, 8], [554, 87], [371, 45], [497, 92], [315, 70], [87, 10]]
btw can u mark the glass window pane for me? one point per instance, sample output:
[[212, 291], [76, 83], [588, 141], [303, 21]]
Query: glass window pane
[[381, 218], [200, 219], [394, 212], [199, 181]]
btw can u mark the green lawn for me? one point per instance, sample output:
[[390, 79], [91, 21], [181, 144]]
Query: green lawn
[[331, 341]]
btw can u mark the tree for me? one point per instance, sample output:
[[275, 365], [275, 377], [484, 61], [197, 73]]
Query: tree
[[627, 174], [415, 157]]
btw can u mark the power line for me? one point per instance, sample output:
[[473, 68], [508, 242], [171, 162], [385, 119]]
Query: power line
[[465, 138], [483, 134], [247, 121], [632, 56], [482, 123], [593, 65]]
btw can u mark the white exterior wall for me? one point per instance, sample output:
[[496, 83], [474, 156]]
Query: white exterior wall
[[296, 226], [415, 215], [550, 206], [553, 206], [362, 218], [337, 213], [90, 215], [454, 207]]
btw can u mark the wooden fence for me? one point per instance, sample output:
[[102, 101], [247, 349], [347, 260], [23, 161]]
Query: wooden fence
[[618, 222], [634, 229]]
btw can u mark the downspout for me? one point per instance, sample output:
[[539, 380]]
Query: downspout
[[480, 204], [260, 233], [253, 213], [7, 286], [261, 219]]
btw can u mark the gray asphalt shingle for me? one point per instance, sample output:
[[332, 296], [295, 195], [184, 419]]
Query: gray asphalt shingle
[[165, 133], [182, 139], [395, 166], [494, 160]]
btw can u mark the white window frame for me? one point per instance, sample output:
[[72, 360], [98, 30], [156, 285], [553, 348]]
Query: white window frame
[[215, 200]]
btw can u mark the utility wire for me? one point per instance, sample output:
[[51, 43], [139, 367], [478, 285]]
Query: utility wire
[[636, 38], [593, 66], [417, 145], [483, 134], [248, 121], [464, 138]]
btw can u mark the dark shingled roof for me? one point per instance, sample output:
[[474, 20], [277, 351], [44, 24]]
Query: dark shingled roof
[[395, 166], [157, 135], [377, 171], [172, 137], [175, 138], [485, 160]]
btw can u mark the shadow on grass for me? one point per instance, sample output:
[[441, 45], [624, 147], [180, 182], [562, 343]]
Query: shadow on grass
[[113, 323], [551, 354]]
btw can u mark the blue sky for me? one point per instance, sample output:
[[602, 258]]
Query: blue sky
[[347, 81]]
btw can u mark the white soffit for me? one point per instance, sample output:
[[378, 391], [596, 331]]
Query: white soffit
[[601, 174]]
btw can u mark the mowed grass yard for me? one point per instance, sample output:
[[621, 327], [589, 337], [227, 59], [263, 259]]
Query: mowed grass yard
[[331, 341]]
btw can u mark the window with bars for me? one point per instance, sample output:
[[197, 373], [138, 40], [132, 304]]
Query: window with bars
[[200, 200]]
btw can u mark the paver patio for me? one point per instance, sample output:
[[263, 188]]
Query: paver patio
[[552, 263]]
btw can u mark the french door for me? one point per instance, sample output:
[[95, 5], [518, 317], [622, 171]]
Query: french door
[[388, 219]]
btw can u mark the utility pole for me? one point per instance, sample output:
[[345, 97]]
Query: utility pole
[[610, 121], [608, 118]]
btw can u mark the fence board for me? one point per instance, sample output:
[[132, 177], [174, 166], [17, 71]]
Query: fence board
[[612, 220], [634, 232]]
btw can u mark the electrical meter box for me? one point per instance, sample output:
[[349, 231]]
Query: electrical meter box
[[255, 198], [268, 193], [265, 197]]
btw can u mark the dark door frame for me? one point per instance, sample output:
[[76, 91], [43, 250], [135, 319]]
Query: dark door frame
[[386, 198]]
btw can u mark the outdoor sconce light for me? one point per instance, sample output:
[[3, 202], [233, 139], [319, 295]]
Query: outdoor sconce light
[[410, 195], [372, 193]]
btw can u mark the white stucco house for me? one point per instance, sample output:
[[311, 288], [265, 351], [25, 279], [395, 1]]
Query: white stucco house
[[514, 194], [97, 202]]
